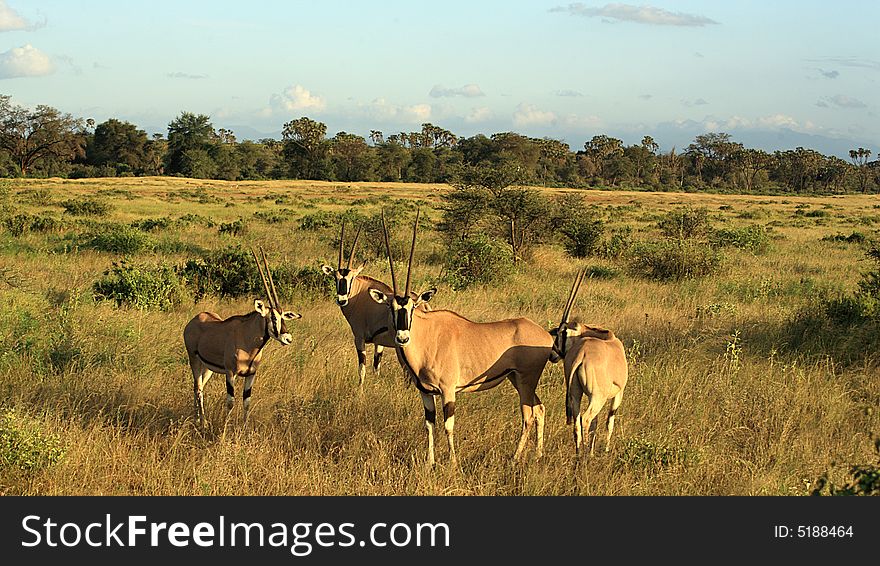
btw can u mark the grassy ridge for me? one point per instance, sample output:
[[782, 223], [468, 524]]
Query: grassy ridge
[[719, 402]]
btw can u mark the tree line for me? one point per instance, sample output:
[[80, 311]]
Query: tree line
[[44, 141]]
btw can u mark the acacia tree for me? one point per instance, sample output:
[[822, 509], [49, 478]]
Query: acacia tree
[[191, 145], [120, 145], [305, 148], [42, 133], [860, 158]]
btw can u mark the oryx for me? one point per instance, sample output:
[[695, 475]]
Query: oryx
[[594, 364], [446, 354], [368, 321], [234, 346]]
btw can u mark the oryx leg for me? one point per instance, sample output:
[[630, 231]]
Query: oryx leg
[[361, 346], [377, 357], [246, 395], [593, 408], [615, 403], [532, 413], [448, 398], [430, 419], [201, 375], [573, 412], [230, 393]]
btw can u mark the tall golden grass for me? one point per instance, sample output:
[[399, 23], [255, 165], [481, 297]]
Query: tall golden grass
[[718, 402]]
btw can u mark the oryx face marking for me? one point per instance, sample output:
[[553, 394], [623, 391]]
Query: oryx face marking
[[402, 312], [344, 279], [276, 326]]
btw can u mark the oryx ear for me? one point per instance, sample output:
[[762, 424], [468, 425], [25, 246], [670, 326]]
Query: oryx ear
[[260, 307], [378, 296], [290, 315], [327, 270], [359, 269], [426, 296]]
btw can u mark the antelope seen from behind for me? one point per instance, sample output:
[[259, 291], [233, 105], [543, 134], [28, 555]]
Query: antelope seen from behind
[[446, 354], [234, 346], [594, 363], [368, 320]]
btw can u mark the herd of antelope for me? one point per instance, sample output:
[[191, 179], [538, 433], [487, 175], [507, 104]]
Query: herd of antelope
[[440, 351]]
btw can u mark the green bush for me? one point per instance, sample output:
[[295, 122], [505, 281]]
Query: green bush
[[755, 238], [685, 223], [618, 244], [319, 221], [24, 223], [230, 272], [673, 260], [140, 286], [87, 207], [24, 446], [478, 259], [582, 235], [235, 228], [854, 238], [116, 238]]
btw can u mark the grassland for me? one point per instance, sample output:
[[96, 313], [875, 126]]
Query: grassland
[[726, 396]]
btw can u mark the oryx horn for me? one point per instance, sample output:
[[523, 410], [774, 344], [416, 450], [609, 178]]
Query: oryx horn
[[271, 281], [575, 287], [341, 240], [353, 247], [263, 277], [412, 251], [388, 249]]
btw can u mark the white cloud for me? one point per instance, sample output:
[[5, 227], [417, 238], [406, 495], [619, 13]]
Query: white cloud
[[530, 115], [477, 115], [841, 101], [638, 14], [566, 92], [10, 20], [25, 61], [576, 121], [295, 98], [467, 91], [381, 110]]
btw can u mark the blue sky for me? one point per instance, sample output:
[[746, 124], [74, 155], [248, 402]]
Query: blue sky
[[774, 75]]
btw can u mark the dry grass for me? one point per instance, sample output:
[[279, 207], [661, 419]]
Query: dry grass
[[718, 403]]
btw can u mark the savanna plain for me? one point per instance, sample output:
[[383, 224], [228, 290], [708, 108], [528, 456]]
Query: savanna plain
[[735, 387]]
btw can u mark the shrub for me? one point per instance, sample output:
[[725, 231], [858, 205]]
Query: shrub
[[686, 223], [231, 272], [618, 244], [116, 238], [755, 238], [24, 445], [152, 224], [582, 235], [23, 223], [673, 260], [854, 238], [235, 228], [140, 286], [475, 260], [87, 207], [319, 220]]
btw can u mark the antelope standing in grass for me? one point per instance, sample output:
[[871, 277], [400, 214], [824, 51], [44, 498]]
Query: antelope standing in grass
[[368, 320], [594, 364], [234, 346], [446, 354]]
